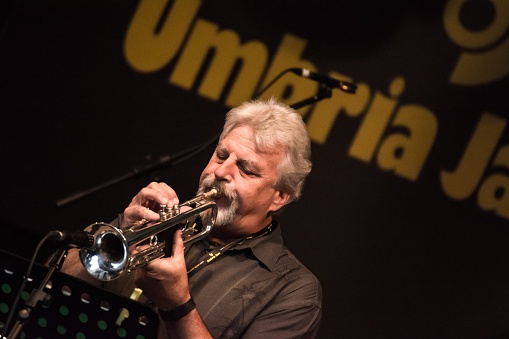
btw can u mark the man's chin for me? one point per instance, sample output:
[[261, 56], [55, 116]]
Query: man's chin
[[224, 216]]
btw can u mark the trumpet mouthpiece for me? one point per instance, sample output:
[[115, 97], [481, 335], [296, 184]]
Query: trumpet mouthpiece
[[213, 193]]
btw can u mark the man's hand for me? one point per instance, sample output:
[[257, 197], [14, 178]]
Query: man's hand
[[145, 204]]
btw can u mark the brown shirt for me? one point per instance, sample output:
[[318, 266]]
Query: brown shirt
[[257, 289]]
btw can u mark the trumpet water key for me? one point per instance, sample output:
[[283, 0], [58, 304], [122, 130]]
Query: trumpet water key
[[109, 256]]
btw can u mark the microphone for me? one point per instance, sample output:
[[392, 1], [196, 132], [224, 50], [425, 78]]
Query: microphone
[[330, 82], [77, 239]]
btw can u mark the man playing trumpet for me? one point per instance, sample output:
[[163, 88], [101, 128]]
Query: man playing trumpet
[[240, 281]]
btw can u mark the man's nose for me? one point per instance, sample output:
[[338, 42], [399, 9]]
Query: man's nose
[[225, 170]]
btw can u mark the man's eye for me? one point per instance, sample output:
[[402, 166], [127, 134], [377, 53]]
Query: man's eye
[[245, 170], [222, 155]]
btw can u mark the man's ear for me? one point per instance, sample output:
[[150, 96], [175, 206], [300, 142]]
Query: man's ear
[[281, 198]]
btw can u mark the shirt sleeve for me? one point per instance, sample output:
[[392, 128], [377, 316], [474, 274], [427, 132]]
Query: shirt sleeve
[[297, 322]]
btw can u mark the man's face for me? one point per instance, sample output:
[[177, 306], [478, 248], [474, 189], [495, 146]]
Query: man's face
[[239, 169]]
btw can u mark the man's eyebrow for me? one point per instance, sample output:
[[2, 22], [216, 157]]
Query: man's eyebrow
[[221, 150], [249, 164]]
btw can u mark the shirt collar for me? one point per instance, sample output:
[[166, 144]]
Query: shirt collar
[[266, 248]]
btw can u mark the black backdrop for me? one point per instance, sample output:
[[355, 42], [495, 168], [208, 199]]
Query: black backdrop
[[405, 240]]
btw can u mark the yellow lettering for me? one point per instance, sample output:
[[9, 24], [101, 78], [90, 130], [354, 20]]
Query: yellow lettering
[[288, 56], [145, 49], [494, 192], [375, 122], [406, 154], [227, 50], [461, 183]]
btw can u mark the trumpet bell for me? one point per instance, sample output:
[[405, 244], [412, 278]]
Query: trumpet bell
[[107, 259]]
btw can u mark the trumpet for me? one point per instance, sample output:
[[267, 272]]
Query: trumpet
[[108, 258]]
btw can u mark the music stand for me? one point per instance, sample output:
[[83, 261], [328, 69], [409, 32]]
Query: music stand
[[76, 309]]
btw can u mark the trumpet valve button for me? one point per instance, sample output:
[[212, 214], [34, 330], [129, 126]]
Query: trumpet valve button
[[164, 213]]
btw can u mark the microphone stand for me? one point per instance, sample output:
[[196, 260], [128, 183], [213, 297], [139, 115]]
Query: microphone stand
[[38, 296], [324, 91]]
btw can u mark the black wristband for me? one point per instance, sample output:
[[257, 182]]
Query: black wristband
[[179, 311]]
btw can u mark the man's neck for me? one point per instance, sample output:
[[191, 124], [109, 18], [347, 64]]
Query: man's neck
[[227, 233], [221, 236]]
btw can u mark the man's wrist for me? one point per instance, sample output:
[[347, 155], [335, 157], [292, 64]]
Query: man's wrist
[[179, 311]]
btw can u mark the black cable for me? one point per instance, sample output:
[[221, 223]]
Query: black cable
[[198, 148], [260, 92], [23, 283]]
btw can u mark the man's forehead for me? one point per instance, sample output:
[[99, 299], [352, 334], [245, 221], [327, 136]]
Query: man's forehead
[[242, 141]]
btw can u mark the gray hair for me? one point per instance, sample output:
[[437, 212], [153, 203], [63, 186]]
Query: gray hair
[[277, 127]]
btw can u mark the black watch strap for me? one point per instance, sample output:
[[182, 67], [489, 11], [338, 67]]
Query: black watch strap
[[179, 311]]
